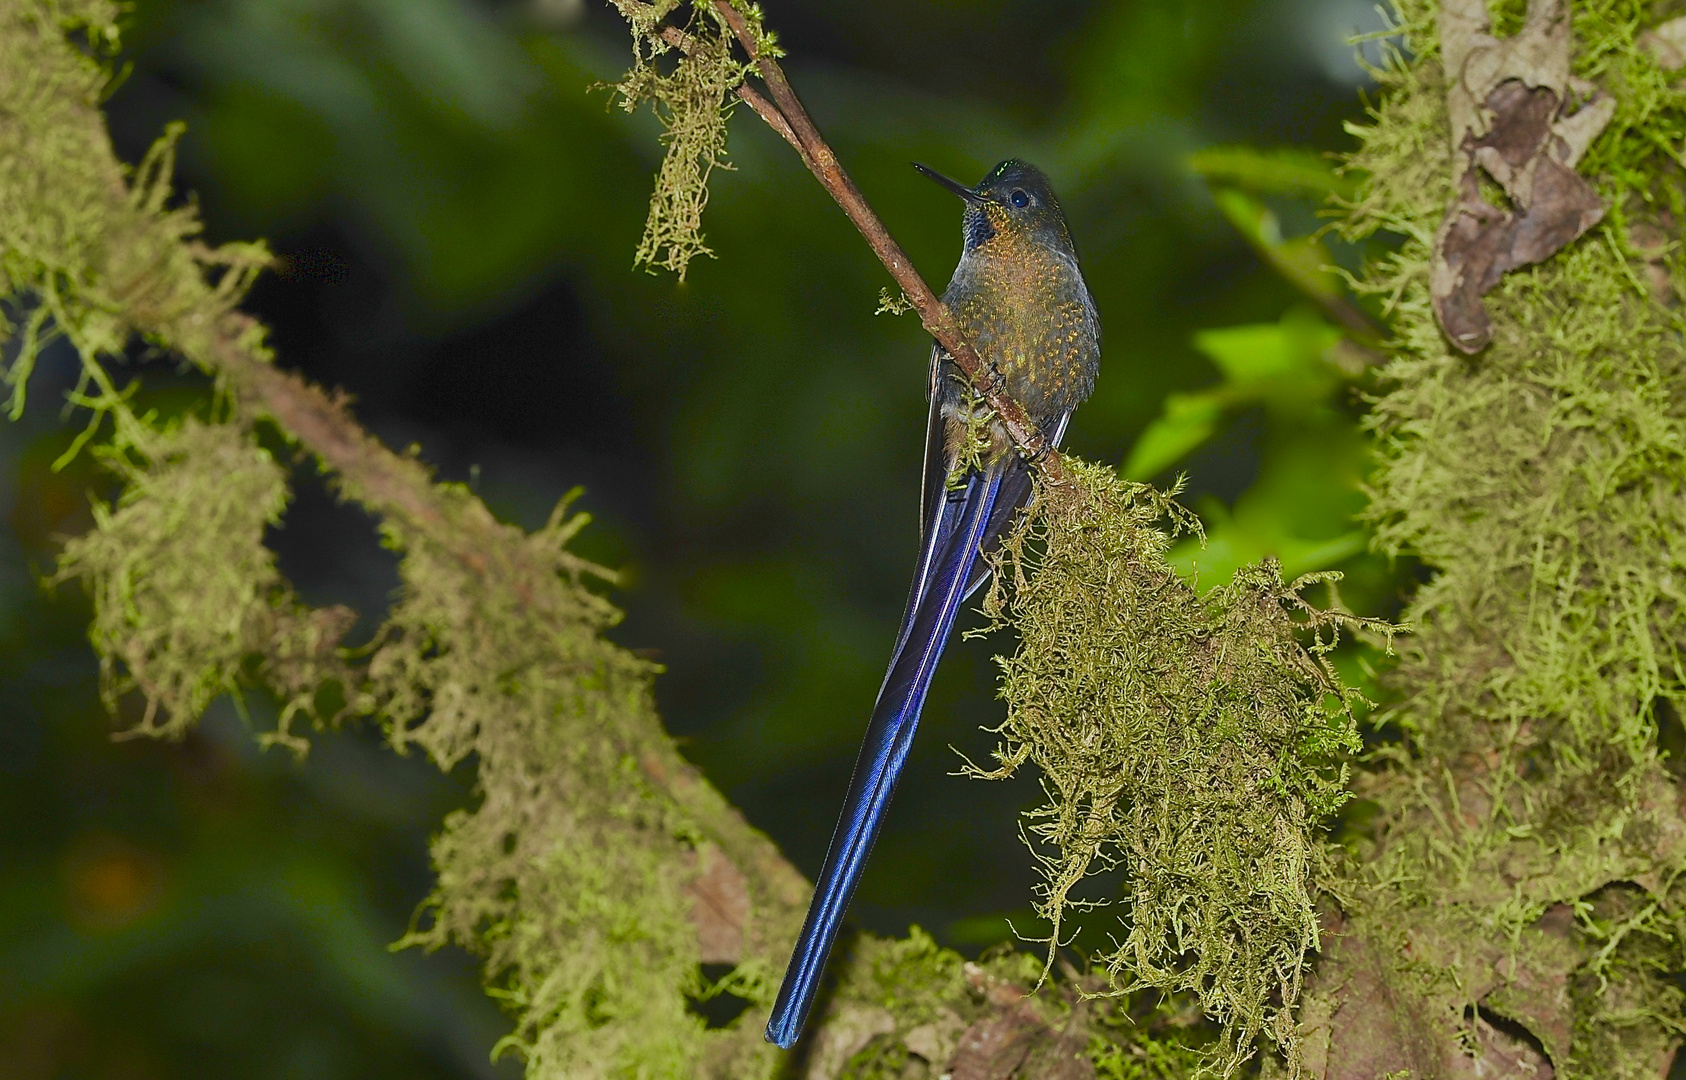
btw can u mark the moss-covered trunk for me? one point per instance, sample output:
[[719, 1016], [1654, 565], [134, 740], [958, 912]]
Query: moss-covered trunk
[[1515, 910]]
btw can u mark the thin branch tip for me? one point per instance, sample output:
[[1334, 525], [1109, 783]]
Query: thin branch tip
[[783, 111]]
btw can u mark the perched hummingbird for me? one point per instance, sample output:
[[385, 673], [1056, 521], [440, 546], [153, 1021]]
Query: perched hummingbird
[[1018, 298]]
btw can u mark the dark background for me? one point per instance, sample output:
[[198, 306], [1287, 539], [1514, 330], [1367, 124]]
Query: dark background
[[455, 211]]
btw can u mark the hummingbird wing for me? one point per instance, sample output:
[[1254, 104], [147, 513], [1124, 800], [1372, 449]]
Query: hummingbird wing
[[938, 515], [955, 530], [1016, 482]]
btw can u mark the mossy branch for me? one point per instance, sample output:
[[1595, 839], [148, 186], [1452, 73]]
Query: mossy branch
[[627, 868], [1522, 870]]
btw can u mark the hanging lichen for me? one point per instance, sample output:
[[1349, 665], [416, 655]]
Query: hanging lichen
[[691, 92], [1197, 743]]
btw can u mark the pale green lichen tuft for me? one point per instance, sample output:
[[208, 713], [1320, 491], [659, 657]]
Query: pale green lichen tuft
[[1196, 743], [691, 92], [185, 592], [897, 304], [88, 249]]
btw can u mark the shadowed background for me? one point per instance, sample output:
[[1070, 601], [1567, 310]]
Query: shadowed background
[[455, 213]]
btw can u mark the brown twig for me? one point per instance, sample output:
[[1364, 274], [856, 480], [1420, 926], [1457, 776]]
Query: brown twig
[[775, 120], [786, 115], [680, 40]]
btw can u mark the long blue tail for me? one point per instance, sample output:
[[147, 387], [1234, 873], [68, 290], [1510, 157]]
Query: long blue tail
[[945, 580]]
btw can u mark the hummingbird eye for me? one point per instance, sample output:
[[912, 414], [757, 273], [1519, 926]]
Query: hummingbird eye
[[1019, 198]]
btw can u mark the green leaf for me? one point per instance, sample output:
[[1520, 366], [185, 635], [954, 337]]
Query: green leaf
[[1257, 354], [1188, 421], [1303, 260], [1279, 171], [1280, 363]]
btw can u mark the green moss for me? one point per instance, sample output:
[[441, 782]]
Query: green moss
[[186, 596], [566, 875], [900, 1009], [691, 93], [1162, 1043], [1544, 481], [184, 590], [1194, 742], [87, 251]]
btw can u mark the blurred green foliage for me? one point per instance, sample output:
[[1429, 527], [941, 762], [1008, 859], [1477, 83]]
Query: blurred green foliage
[[1300, 508], [760, 483]]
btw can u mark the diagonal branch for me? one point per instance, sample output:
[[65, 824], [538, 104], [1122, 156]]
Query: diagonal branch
[[750, 96], [786, 115], [399, 487]]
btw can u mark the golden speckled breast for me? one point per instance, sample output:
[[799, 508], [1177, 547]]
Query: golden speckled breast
[[1026, 311]]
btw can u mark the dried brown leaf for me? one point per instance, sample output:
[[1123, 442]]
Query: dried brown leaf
[[995, 1046], [1509, 109]]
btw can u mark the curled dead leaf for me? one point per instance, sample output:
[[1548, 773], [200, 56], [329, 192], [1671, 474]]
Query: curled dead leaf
[[1510, 107]]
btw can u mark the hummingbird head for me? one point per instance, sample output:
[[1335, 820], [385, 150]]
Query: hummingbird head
[[1015, 199]]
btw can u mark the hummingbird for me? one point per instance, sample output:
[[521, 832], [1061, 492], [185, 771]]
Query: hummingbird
[[1018, 298]]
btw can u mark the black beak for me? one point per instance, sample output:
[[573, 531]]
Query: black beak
[[953, 185]]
